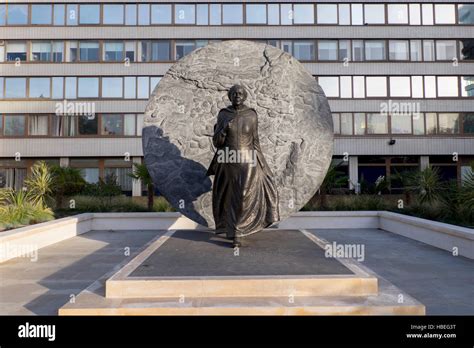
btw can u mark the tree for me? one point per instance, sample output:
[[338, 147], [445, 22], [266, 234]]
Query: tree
[[334, 178], [39, 183], [67, 181], [140, 172]]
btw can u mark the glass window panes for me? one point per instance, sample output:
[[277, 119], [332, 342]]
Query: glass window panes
[[445, 14], [58, 87], [466, 49], [428, 50], [130, 14], [466, 13], [374, 50], [401, 123], [87, 125], [346, 86], [467, 86], [71, 87], [357, 50], [397, 13], [286, 15], [304, 50], [41, 51], [359, 124], [327, 14], [377, 124], [446, 49], [183, 48], [88, 87], [415, 51], [448, 123], [427, 14], [72, 15], [417, 86], [184, 14], [431, 123], [130, 87], [129, 124], [232, 14], [16, 51], [40, 87], [344, 14], [112, 87], [330, 85], [113, 51], [215, 14], [113, 14], [256, 13], [346, 124], [38, 125], [374, 14], [58, 51], [415, 14], [89, 51], [14, 125], [160, 14], [89, 14], [17, 14], [336, 121], [41, 14], [359, 86], [143, 14], [448, 86], [345, 50], [130, 51], [468, 123], [303, 13], [273, 14], [357, 14], [418, 124], [3, 19], [112, 125], [15, 87], [376, 86], [143, 87], [430, 86], [400, 86], [399, 50], [327, 50], [202, 13]]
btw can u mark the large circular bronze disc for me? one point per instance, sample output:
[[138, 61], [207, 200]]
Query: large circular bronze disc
[[295, 124]]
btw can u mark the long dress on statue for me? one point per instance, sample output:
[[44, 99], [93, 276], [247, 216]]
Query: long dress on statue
[[244, 196]]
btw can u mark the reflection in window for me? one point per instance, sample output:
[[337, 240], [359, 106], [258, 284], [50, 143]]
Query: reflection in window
[[377, 124], [346, 124], [345, 50], [215, 14], [41, 51], [359, 124], [327, 50], [273, 14], [399, 50], [160, 14], [467, 86], [143, 14], [130, 89], [14, 125], [448, 123], [304, 50], [357, 14], [112, 87], [445, 49], [184, 14], [89, 14], [17, 14], [113, 51], [153, 51], [256, 13], [88, 51], [427, 14], [183, 48], [415, 50], [130, 14], [41, 14], [72, 15], [397, 14], [143, 87], [374, 14], [344, 14], [374, 50], [87, 125], [303, 14], [327, 14], [415, 14], [113, 14], [15, 87], [431, 123], [357, 50], [418, 124], [401, 124], [468, 123], [448, 86], [232, 14], [467, 49], [40, 87], [336, 121], [286, 14], [202, 14], [466, 14], [112, 125], [428, 50], [88, 87]]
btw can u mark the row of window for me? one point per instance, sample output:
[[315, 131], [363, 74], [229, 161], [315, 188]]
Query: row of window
[[128, 87], [140, 87], [303, 50], [397, 86], [410, 124], [235, 14], [71, 126]]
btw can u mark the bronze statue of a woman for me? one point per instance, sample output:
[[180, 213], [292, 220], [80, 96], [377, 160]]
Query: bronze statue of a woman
[[244, 196]]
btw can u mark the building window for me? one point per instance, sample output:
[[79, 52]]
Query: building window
[[448, 86], [399, 50], [40, 87], [14, 125], [130, 14], [415, 14], [72, 15], [113, 14], [88, 87], [112, 125], [215, 14], [399, 86], [17, 14], [357, 14], [38, 125], [304, 50], [327, 14], [41, 14], [3, 15], [466, 49], [346, 124], [397, 13], [330, 85], [143, 14], [359, 124], [336, 121], [273, 14], [357, 50], [89, 51], [58, 51], [130, 89], [89, 14], [346, 86], [15, 87], [374, 50], [427, 14], [418, 124], [87, 125], [466, 14], [415, 51], [58, 87], [374, 14], [448, 123], [184, 14], [431, 123], [112, 87], [445, 14], [468, 123], [183, 48], [41, 51], [153, 51], [113, 51], [445, 49], [59, 14], [344, 14], [327, 50], [160, 14], [16, 51], [232, 14], [286, 14], [377, 124], [428, 50], [202, 14], [376, 86], [303, 14], [71, 88], [143, 87], [256, 13], [467, 86], [401, 124]]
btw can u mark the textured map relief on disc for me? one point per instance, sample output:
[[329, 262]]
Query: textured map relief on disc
[[295, 124]]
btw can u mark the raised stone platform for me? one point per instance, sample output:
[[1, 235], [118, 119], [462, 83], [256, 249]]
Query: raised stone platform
[[280, 272]]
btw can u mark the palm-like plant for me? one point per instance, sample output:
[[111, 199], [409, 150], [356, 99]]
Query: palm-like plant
[[67, 181], [427, 185], [466, 191], [140, 172], [39, 183], [334, 178]]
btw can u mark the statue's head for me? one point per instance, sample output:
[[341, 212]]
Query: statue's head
[[237, 95]]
